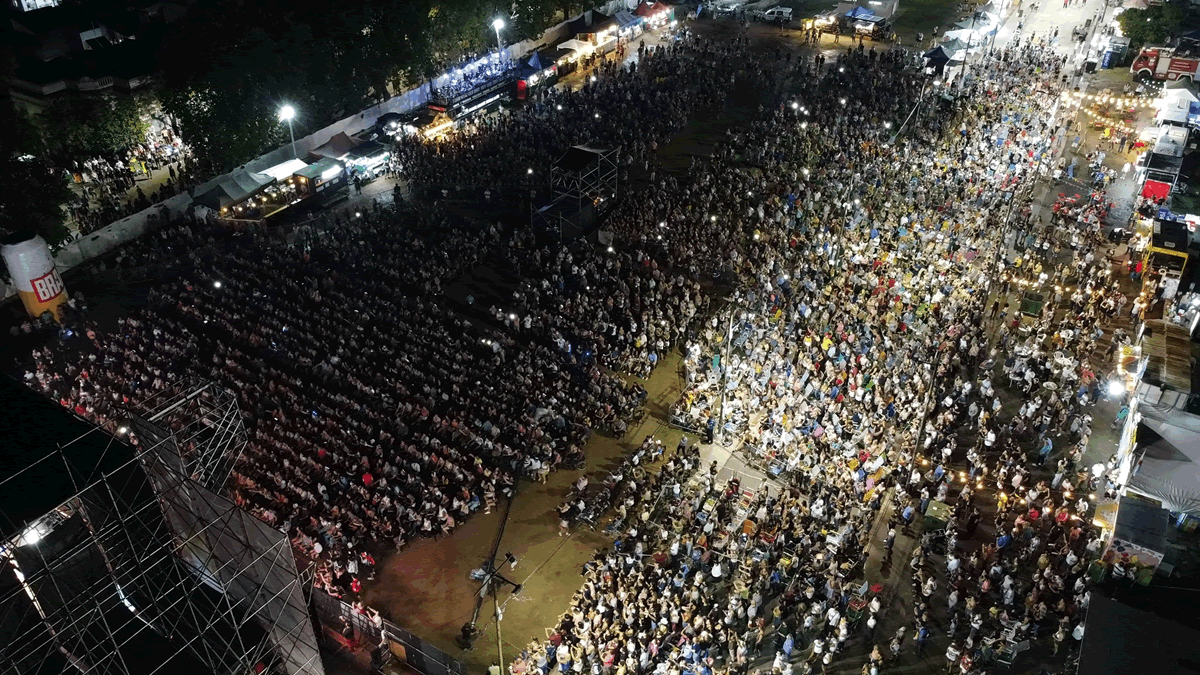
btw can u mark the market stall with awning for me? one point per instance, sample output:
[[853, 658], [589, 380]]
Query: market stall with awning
[[1176, 103], [539, 70], [628, 24], [233, 189], [282, 172], [336, 147], [655, 13]]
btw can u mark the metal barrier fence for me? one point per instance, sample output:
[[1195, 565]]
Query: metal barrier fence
[[402, 644]]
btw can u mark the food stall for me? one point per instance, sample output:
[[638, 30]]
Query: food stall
[[602, 33], [367, 161], [827, 22], [569, 53], [1136, 535], [541, 70], [629, 25], [1163, 266], [321, 181], [873, 28], [234, 195], [282, 172], [655, 14]]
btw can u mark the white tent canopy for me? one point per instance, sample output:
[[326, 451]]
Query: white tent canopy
[[1170, 468], [1175, 103], [284, 171], [577, 45]]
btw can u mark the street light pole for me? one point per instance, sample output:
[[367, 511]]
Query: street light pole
[[498, 24], [286, 113]]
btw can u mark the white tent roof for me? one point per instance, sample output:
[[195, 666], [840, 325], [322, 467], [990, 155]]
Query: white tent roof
[[577, 45], [1170, 469], [285, 170], [1180, 89], [1171, 141], [1172, 114], [965, 34]]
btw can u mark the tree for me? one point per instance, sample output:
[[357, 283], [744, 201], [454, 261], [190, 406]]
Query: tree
[[230, 65], [81, 127], [1154, 24], [34, 192]]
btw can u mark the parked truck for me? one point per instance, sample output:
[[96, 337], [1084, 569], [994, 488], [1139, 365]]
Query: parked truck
[[1164, 63]]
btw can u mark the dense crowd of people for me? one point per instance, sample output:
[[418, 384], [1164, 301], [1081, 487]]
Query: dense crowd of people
[[111, 189], [375, 412], [858, 219], [857, 357]]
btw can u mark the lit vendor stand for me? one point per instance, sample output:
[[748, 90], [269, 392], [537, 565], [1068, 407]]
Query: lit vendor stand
[[827, 22], [872, 29], [322, 182], [629, 25], [367, 161], [570, 53], [236, 196], [1158, 168], [1163, 263], [603, 32], [1135, 532], [272, 200], [655, 14], [538, 72]]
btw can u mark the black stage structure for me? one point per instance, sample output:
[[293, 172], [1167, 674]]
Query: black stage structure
[[584, 183], [145, 565]]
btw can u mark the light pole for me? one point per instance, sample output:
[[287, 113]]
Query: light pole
[[286, 114], [498, 24]]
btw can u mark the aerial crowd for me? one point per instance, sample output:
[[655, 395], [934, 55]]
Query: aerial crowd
[[840, 277]]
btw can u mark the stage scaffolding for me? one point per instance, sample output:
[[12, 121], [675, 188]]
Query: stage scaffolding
[[150, 567], [586, 175]]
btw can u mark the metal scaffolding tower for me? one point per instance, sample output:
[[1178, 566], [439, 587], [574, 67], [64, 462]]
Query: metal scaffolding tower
[[150, 567], [586, 175]]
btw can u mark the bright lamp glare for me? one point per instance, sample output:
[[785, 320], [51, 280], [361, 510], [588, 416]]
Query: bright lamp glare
[[498, 24], [1116, 388], [31, 537], [286, 113]]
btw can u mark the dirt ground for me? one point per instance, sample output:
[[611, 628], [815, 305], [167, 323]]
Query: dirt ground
[[427, 589]]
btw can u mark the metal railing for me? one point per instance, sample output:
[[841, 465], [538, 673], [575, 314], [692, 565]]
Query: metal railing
[[403, 645]]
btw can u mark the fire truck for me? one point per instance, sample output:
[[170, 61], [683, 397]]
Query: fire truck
[[1162, 63]]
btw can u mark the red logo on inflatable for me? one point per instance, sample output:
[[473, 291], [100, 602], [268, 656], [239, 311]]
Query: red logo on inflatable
[[47, 287]]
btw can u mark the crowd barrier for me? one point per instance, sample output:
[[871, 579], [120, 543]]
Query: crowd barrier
[[402, 644]]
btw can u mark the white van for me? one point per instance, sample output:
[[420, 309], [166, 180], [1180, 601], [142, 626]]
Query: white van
[[777, 15]]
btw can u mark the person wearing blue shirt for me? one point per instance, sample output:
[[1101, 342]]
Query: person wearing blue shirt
[[1047, 446]]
